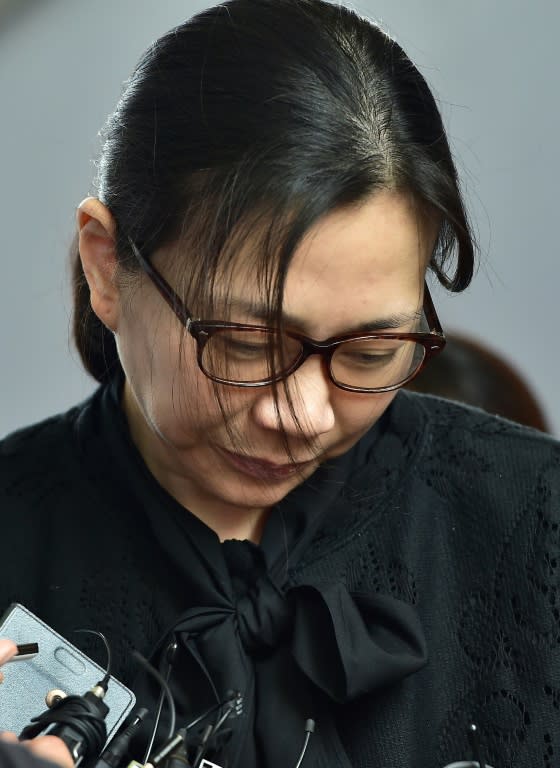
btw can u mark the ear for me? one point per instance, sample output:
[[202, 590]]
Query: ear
[[97, 246]]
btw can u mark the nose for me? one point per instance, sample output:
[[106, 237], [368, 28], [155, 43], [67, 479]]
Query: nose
[[301, 405]]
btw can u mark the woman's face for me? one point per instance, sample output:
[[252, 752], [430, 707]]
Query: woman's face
[[355, 267]]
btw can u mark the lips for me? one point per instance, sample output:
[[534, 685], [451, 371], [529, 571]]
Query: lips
[[261, 469]]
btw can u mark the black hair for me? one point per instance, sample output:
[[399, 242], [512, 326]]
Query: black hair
[[262, 116]]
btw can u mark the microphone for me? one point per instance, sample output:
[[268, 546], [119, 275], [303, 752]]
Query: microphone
[[78, 720]]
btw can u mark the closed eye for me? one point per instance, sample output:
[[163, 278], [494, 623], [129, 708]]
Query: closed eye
[[366, 358]]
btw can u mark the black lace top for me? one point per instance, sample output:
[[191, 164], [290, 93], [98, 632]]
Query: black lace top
[[420, 571]]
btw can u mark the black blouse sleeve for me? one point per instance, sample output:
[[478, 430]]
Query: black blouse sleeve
[[15, 756]]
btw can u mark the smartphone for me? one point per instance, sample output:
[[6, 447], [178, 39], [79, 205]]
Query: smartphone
[[57, 665]]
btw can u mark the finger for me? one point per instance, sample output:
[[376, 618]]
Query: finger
[[9, 737], [7, 649]]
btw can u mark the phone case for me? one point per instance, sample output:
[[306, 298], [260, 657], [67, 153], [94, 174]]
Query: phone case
[[58, 665]]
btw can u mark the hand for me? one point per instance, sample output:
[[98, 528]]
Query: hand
[[46, 747], [7, 649]]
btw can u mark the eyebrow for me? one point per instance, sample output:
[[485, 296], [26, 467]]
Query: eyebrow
[[259, 312]]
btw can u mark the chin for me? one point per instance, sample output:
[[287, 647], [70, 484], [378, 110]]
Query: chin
[[260, 495]]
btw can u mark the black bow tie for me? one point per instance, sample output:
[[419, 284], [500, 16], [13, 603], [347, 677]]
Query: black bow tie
[[292, 653]]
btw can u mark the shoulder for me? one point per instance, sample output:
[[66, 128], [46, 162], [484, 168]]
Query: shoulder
[[459, 435], [483, 471], [38, 462], [482, 505], [55, 513], [39, 437], [441, 412], [34, 447]]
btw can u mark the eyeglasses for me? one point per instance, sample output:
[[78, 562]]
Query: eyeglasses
[[255, 356]]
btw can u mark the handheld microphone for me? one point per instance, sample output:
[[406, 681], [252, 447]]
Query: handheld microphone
[[78, 720]]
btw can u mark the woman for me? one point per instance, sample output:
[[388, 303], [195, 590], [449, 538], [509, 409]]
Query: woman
[[249, 499]]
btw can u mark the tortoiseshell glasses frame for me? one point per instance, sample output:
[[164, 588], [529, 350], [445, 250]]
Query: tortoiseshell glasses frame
[[358, 348]]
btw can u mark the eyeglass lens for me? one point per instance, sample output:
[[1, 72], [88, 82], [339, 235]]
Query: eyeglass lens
[[254, 356]]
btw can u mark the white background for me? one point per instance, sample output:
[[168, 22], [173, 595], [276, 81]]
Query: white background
[[492, 65]]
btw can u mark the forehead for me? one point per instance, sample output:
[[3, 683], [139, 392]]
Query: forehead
[[354, 265], [383, 235]]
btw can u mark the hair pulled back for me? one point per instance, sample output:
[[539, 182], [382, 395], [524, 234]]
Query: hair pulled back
[[265, 115]]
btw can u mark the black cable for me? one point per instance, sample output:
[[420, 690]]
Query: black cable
[[202, 746], [155, 726], [176, 742], [233, 698], [104, 683], [118, 747], [210, 732], [309, 729], [166, 691], [221, 720], [178, 758], [235, 708], [180, 737], [169, 657], [474, 740]]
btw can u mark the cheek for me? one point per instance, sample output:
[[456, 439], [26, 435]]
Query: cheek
[[182, 405], [182, 402], [148, 345], [357, 413], [161, 367]]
